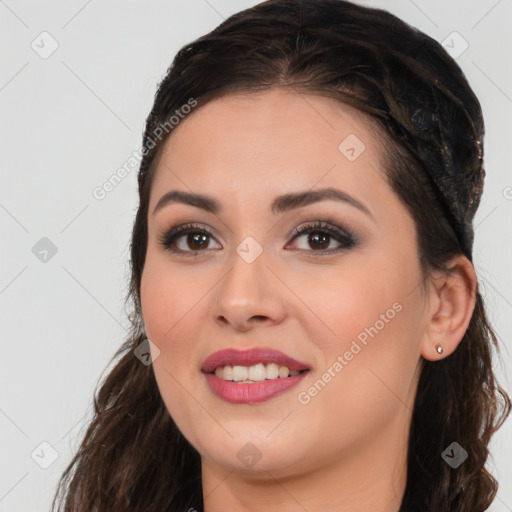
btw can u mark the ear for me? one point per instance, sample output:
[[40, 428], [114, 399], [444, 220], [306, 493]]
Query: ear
[[452, 297]]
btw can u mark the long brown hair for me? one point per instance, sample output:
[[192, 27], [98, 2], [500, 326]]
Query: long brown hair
[[132, 456]]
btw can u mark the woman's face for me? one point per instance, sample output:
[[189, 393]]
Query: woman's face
[[343, 299]]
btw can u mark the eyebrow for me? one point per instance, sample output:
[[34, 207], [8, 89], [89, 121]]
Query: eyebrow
[[280, 204]]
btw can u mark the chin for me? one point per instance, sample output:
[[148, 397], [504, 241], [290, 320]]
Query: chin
[[254, 455]]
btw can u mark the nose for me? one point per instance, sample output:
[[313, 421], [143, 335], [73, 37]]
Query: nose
[[249, 295]]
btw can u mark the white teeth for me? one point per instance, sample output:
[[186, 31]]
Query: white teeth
[[228, 373], [240, 373], [272, 371], [255, 373], [283, 371]]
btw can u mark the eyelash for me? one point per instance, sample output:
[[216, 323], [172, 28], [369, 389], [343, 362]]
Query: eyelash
[[341, 233]]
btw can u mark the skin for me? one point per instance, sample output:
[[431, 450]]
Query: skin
[[346, 448]]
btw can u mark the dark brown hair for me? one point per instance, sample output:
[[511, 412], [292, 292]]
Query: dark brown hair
[[132, 456]]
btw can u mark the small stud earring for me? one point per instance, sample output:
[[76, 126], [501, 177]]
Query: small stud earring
[[439, 349]]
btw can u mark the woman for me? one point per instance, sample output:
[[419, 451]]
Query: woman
[[302, 280]]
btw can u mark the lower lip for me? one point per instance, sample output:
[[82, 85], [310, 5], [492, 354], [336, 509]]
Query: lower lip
[[236, 393]]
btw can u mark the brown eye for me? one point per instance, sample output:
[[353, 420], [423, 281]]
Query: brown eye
[[188, 239], [195, 241], [320, 236]]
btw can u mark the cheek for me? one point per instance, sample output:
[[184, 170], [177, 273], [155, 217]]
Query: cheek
[[157, 303], [174, 305], [356, 301], [165, 294], [371, 321], [167, 300], [368, 378]]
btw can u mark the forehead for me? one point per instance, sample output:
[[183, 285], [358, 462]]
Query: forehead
[[274, 140]]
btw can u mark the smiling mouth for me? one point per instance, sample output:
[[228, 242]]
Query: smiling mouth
[[254, 387], [255, 373]]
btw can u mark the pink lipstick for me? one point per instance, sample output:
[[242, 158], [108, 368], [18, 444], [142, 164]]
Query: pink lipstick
[[251, 392]]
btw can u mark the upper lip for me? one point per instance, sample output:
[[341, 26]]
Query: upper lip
[[232, 357]]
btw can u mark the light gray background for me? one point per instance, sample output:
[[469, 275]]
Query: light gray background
[[70, 120]]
